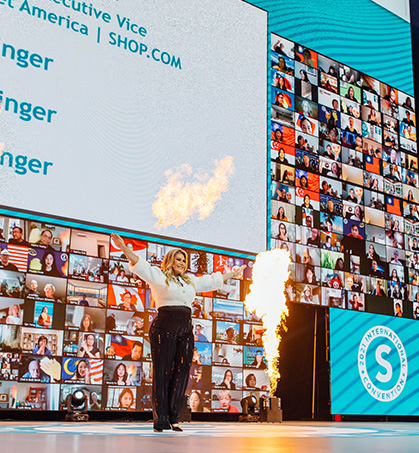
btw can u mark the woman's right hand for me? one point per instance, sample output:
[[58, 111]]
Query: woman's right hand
[[117, 240]]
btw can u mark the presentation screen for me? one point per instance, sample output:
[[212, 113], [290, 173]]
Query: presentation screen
[[344, 183], [129, 113], [374, 363]]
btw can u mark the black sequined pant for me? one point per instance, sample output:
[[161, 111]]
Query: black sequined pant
[[172, 344]]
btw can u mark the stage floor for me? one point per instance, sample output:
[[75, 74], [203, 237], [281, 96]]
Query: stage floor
[[106, 437]]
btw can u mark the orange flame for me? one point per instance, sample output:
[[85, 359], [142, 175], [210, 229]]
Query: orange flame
[[178, 200], [267, 300]]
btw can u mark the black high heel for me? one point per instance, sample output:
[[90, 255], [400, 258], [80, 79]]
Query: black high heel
[[160, 424], [176, 427]]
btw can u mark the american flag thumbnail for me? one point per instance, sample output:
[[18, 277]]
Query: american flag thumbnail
[[19, 256], [96, 371]]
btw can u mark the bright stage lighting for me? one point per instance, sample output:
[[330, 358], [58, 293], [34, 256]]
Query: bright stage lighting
[[77, 405], [248, 405]]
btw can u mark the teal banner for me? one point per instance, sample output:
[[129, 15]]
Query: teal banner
[[374, 364], [361, 34]]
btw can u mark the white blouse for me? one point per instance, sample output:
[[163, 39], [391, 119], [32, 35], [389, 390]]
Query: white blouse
[[179, 294]]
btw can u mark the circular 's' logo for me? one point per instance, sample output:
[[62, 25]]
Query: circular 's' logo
[[389, 355]]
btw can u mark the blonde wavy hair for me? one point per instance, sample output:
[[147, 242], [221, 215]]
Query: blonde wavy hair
[[167, 267]]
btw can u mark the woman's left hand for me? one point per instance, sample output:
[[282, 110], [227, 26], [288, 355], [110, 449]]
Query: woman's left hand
[[239, 270]]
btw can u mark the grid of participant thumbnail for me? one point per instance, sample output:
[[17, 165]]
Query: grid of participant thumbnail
[[72, 315], [344, 184]]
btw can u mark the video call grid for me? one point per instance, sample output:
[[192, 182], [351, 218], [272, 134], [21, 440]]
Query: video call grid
[[72, 315], [344, 184]]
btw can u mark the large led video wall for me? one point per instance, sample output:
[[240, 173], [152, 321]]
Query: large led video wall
[[72, 316], [344, 184]]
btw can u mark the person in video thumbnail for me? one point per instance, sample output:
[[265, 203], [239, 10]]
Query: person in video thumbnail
[[127, 302], [94, 404], [35, 373], [137, 327], [351, 95], [42, 346], [279, 48], [110, 352], [126, 398], [228, 381], [306, 125], [225, 402], [199, 336], [378, 290], [355, 302], [307, 59], [391, 96], [398, 310], [304, 76], [281, 214], [4, 261], [314, 239], [258, 361], [15, 315], [171, 335], [48, 265], [282, 232], [282, 66], [281, 159], [120, 375], [374, 270], [33, 289], [89, 348], [309, 275], [82, 372], [278, 135], [17, 238], [329, 153], [355, 232], [122, 278], [136, 352], [407, 104], [44, 319], [303, 182], [251, 381], [306, 204], [46, 239], [86, 324], [83, 301], [282, 101], [196, 402], [372, 254]]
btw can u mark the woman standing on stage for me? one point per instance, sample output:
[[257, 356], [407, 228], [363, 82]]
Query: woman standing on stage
[[171, 335]]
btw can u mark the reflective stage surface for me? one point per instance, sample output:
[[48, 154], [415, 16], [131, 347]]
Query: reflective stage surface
[[106, 437]]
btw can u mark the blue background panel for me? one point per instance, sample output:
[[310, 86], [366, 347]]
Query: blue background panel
[[387, 361], [360, 34]]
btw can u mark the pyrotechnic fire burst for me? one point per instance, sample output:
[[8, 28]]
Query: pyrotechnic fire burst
[[267, 300], [179, 200]]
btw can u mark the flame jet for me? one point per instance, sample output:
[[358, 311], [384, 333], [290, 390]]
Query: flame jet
[[179, 200], [267, 300]]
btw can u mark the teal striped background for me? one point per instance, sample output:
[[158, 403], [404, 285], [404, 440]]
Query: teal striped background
[[348, 395], [358, 33]]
